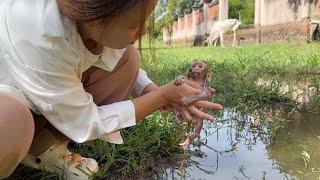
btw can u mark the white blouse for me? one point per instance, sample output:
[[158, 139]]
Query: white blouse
[[42, 58]]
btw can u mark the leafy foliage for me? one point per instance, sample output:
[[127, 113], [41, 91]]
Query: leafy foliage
[[242, 9], [169, 11]]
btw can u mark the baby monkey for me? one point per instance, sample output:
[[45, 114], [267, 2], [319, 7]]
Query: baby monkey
[[198, 72]]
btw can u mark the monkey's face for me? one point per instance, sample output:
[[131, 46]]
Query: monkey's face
[[198, 71]]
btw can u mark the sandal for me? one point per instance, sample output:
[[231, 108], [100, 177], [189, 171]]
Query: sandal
[[60, 160]]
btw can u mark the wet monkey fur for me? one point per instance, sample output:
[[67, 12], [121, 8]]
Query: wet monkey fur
[[200, 73]]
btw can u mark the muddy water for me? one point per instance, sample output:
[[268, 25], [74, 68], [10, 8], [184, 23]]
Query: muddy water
[[246, 146], [235, 148], [300, 89]]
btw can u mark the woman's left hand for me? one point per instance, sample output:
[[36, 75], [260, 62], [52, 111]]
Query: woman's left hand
[[192, 112], [188, 112]]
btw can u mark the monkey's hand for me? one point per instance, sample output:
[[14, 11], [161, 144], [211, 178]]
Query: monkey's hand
[[180, 80]]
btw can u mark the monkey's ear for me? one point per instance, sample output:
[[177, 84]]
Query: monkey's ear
[[188, 72], [208, 76]]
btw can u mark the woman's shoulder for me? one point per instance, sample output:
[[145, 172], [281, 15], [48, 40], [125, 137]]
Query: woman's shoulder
[[34, 20], [38, 27], [23, 19]]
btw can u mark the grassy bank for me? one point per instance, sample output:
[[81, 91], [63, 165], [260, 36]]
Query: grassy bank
[[234, 70], [234, 73]]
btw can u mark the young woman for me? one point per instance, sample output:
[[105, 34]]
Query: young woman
[[67, 68]]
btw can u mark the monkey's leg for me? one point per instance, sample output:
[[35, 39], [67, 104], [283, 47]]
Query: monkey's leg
[[185, 143], [192, 135], [178, 118], [198, 128]]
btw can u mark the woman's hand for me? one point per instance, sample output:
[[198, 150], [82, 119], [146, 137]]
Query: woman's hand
[[193, 112], [172, 93], [188, 112]]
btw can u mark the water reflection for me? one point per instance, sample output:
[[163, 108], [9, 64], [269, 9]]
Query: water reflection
[[276, 142], [302, 134], [301, 89], [259, 145]]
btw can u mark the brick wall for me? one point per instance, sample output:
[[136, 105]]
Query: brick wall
[[189, 30], [275, 21], [283, 32], [213, 11], [271, 12], [272, 33]]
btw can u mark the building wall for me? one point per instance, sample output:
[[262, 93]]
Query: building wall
[[223, 9], [271, 34], [213, 11], [275, 21], [270, 12], [192, 28]]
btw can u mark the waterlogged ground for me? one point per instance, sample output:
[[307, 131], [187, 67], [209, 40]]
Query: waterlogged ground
[[270, 128], [235, 148]]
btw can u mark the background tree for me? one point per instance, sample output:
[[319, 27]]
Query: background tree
[[168, 11], [242, 8]]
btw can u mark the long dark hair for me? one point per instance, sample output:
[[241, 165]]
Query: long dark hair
[[89, 10]]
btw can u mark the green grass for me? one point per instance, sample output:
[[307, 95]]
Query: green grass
[[234, 73], [234, 70]]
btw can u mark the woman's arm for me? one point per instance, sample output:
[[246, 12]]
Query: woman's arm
[[154, 99], [187, 111], [148, 103], [149, 88], [171, 94]]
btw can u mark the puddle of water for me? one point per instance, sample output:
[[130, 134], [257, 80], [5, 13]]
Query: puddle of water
[[245, 146], [233, 149], [299, 89], [303, 134]]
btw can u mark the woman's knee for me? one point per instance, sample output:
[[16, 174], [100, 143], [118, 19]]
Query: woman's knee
[[16, 133]]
